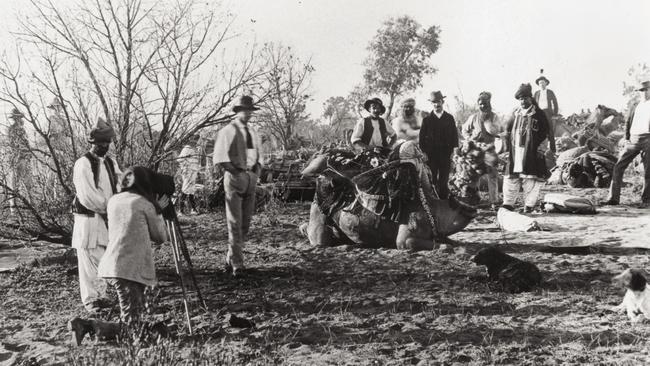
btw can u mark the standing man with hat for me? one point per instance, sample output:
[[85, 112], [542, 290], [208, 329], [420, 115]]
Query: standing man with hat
[[438, 138], [408, 124], [637, 140], [483, 127], [237, 151], [526, 168], [95, 178], [372, 131], [547, 102]]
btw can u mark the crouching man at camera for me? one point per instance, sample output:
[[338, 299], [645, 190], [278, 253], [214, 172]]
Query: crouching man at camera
[[128, 264], [237, 151]]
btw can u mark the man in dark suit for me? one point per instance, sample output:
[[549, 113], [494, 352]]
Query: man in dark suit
[[547, 102], [438, 138]]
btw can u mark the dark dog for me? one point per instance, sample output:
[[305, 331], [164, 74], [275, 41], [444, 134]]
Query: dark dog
[[513, 274], [636, 302]]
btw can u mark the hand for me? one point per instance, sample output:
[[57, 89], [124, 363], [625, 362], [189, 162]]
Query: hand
[[163, 201]]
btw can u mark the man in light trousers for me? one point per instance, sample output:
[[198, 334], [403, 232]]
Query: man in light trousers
[[237, 151]]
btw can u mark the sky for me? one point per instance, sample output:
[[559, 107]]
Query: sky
[[584, 47]]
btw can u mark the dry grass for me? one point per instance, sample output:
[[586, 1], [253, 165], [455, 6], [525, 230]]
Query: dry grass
[[342, 306]]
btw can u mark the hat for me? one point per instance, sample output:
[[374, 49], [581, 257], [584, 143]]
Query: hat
[[408, 101], [376, 101], [525, 90], [245, 103], [485, 96], [644, 85], [436, 95], [542, 77], [102, 132], [56, 102], [15, 114]]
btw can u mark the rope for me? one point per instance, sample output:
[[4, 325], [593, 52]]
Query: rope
[[427, 210]]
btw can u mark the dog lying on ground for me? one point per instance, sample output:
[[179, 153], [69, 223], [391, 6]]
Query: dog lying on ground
[[514, 275], [636, 301]]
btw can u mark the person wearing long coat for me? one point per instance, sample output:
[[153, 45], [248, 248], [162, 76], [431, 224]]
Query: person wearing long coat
[[526, 130], [438, 138]]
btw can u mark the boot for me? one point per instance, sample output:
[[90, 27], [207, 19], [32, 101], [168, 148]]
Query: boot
[[79, 328], [105, 331]]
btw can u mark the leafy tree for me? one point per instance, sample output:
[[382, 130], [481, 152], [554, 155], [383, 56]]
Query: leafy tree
[[636, 74], [339, 113], [287, 89], [399, 57]]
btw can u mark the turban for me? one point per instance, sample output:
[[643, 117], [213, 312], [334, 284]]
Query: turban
[[102, 132], [525, 90], [487, 96], [408, 101]]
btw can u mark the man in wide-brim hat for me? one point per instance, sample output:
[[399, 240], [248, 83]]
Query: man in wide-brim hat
[[237, 150], [637, 138], [547, 102], [95, 177], [438, 138], [372, 131]]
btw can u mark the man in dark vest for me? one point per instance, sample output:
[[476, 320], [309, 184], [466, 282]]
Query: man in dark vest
[[95, 179], [373, 131], [547, 102], [438, 138], [237, 151]]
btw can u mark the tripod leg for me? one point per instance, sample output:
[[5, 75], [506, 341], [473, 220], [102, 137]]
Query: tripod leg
[[179, 271], [188, 260]]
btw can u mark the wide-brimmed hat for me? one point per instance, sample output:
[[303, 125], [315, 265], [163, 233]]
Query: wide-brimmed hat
[[436, 95], [376, 101], [15, 113], [524, 90], [244, 103], [542, 77], [56, 102], [102, 132], [644, 85]]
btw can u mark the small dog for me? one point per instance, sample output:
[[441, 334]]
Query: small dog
[[636, 301], [513, 274]]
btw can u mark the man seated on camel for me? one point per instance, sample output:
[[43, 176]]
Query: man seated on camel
[[373, 131]]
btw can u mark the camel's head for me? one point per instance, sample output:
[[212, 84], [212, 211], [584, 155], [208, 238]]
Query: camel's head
[[606, 111]]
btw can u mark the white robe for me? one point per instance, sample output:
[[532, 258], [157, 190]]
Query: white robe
[[90, 232]]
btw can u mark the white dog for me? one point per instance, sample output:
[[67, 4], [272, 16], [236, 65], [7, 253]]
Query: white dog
[[637, 297]]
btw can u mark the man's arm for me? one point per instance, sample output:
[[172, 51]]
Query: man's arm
[[556, 107], [453, 132], [628, 123], [466, 128], [355, 138]]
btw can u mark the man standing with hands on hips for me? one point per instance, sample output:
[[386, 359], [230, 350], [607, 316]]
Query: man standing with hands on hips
[[237, 151]]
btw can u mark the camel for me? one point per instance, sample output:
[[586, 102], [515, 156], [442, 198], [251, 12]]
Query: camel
[[343, 212]]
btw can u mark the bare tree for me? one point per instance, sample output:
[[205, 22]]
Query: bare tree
[[158, 72], [286, 90]]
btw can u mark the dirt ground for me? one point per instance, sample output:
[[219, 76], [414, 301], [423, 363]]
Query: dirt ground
[[345, 305]]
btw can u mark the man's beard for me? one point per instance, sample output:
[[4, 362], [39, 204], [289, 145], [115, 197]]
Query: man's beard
[[486, 115]]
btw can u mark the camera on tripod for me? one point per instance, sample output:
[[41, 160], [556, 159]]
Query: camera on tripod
[[163, 184]]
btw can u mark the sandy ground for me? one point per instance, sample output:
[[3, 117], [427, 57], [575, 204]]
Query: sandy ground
[[348, 305]]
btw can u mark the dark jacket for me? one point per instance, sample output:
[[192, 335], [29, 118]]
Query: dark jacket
[[552, 100], [438, 134], [536, 132]]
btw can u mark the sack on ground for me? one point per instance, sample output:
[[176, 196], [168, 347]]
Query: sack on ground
[[512, 221], [565, 203]]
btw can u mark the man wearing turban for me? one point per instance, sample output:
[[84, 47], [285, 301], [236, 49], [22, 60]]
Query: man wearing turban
[[483, 127], [408, 124], [95, 178], [526, 167]]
